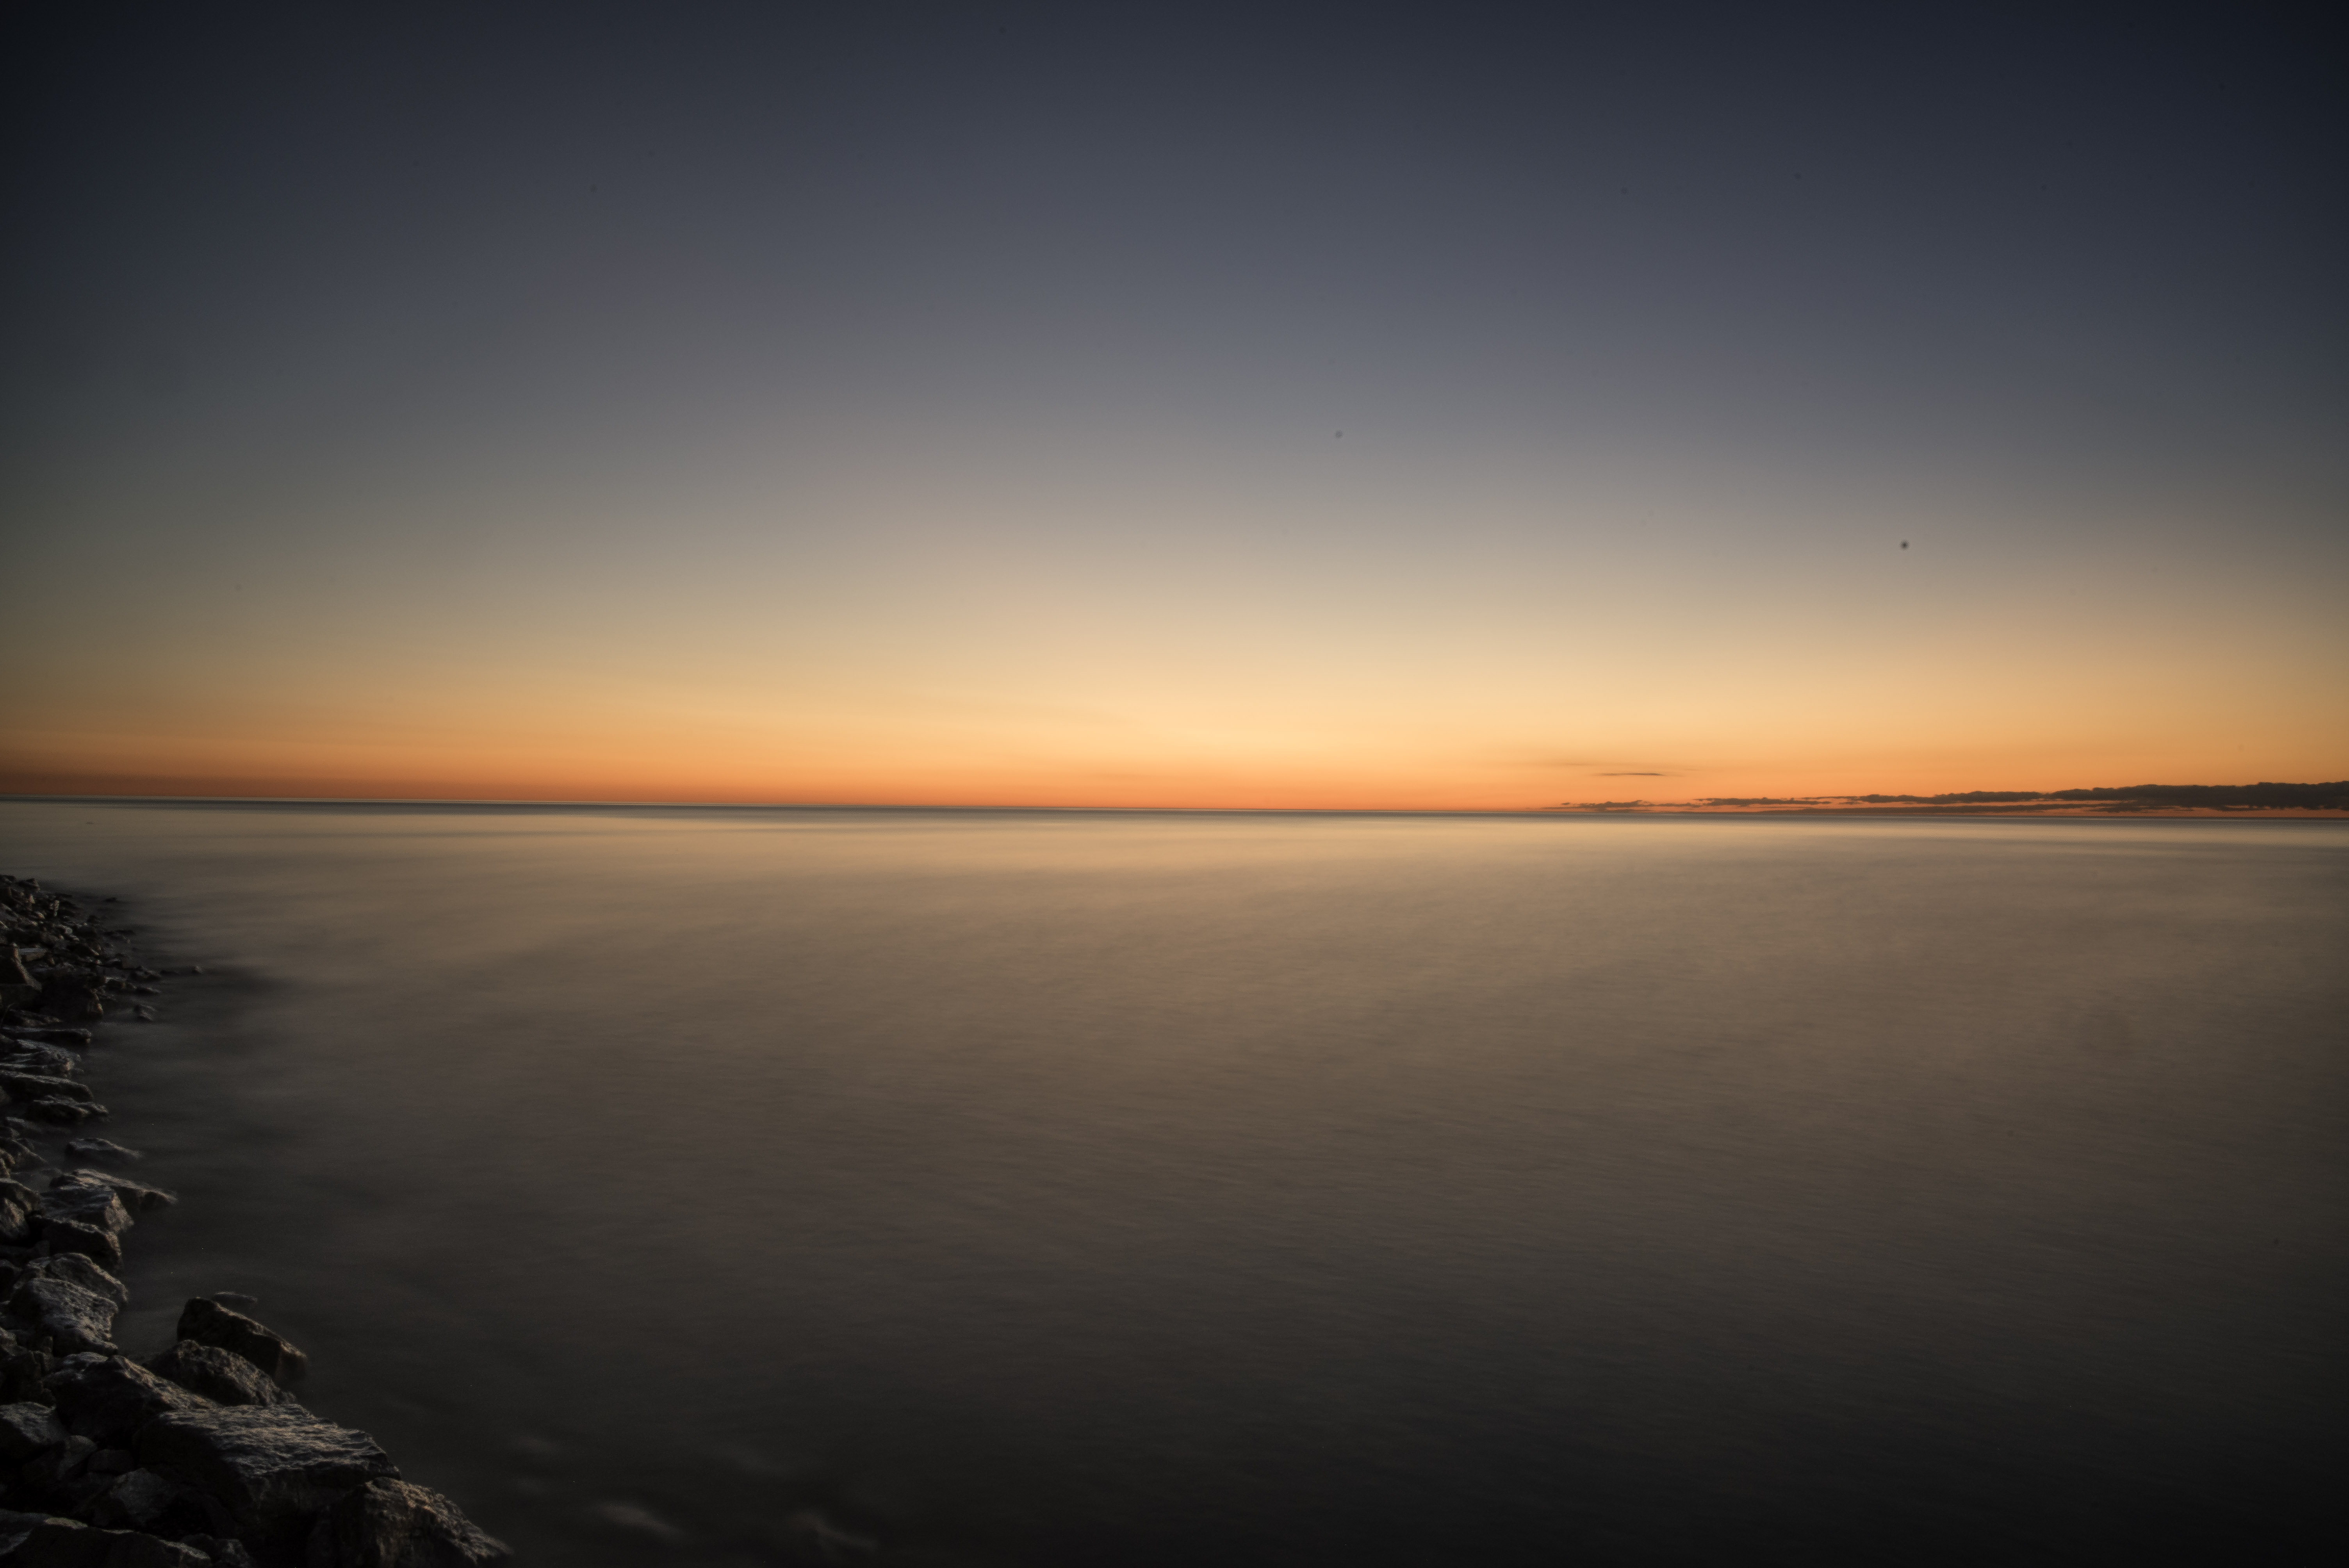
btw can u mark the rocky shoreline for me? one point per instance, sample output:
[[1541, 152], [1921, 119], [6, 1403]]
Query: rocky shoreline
[[199, 1453]]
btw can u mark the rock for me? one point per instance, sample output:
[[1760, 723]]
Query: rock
[[42, 1085], [86, 1202], [69, 1543], [218, 1375], [76, 1038], [26, 1429], [136, 1197], [74, 1317], [101, 1149], [208, 1322], [69, 1236], [59, 1111], [109, 1397], [226, 1552], [20, 1207], [392, 1524], [158, 1503], [273, 1467], [45, 1061], [75, 1269], [24, 1377], [71, 999]]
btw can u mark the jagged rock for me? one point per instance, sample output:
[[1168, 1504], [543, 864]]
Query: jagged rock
[[392, 1524], [69, 1543], [136, 1197], [218, 1375], [207, 1321], [158, 1503], [44, 1061], [26, 1429], [24, 1378], [59, 1111], [19, 1207], [85, 1201], [78, 1038], [75, 1269], [226, 1551], [108, 1397], [74, 1317], [70, 1236], [275, 1467], [41, 1086], [101, 1148], [55, 1468]]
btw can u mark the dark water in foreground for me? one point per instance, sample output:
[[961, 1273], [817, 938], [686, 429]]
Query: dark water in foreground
[[1085, 1191]]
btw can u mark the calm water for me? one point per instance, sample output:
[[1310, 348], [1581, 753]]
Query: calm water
[[1079, 1191]]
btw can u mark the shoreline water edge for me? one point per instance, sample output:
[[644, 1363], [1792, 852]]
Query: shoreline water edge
[[198, 1454]]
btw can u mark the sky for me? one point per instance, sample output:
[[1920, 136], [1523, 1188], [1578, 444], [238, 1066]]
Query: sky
[[1285, 405]]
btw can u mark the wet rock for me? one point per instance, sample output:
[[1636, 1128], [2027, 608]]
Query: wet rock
[[69, 1236], [78, 1200], [23, 1084], [273, 1467], [101, 1149], [392, 1524], [218, 1375], [136, 1197], [108, 1397], [71, 1000], [74, 1318], [34, 1057], [207, 1321], [50, 1036], [59, 1111], [69, 1543], [26, 1430], [17, 988]]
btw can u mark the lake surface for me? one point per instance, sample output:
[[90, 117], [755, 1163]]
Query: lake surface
[[680, 1186]]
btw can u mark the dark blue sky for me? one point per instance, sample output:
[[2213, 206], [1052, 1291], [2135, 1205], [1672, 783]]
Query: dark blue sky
[[382, 306]]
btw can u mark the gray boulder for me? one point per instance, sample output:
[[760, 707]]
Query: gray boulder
[[105, 1397], [218, 1375], [89, 1241], [158, 1503], [275, 1467], [207, 1321], [136, 1197], [23, 1084], [75, 1269], [26, 1430], [392, 1524], [87, 1202], [20, 1207], [74, 1316]]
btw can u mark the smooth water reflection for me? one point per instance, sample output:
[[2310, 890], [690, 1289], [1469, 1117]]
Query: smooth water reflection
[[1065, 1189]]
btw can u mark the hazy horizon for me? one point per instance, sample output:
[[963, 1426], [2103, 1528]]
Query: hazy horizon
[[1291, 406]]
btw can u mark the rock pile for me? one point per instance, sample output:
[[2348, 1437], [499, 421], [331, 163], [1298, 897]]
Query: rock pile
[[197, 1455]]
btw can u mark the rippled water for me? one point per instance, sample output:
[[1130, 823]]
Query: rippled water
[[1085, 1190]]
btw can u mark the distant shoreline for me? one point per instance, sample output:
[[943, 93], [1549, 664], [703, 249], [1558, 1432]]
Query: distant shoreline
[[2076, 813]]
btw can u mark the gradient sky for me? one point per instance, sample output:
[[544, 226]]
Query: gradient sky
[[909, 403]]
